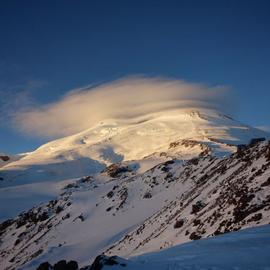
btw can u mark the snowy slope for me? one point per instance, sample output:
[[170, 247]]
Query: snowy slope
[[125, 212], [245, 250]]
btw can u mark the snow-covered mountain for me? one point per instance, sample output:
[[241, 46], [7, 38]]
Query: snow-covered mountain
[[146, 141], [130, 186]]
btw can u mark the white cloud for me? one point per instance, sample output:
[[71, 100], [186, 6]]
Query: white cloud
[[126, 98]]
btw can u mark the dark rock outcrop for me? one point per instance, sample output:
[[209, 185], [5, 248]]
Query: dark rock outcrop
[[5, 158], [115, 170], [102, 260], [60, 265], [45, 266]]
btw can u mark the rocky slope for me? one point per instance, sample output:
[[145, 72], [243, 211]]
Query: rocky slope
[[225, 195]]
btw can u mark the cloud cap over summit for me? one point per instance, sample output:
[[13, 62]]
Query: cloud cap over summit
[[125, 98]]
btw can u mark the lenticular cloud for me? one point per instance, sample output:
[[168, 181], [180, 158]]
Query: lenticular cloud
[[127, 98]]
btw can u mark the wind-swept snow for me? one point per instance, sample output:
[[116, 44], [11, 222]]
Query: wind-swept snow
[[245, 250]]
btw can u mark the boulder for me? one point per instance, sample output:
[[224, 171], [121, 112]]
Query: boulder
[[44, 266], [61, 265], [179, 223]]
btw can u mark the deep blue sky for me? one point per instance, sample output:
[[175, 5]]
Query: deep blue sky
[[50, 47]]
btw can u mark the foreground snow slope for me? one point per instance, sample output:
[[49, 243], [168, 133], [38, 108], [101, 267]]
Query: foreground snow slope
[[124, 212], [245, 250]]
